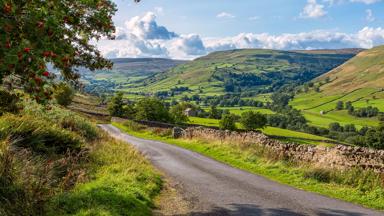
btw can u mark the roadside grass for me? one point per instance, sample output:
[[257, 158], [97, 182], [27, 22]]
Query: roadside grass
[[361, 187], [122, 182], [283, 134], [55, 162]]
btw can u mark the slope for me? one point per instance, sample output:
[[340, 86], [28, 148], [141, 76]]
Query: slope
[[250, 70]]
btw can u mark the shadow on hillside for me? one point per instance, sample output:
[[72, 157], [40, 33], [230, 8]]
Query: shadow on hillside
[[254, 210]]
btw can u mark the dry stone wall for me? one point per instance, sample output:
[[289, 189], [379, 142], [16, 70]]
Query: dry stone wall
[[340, 156]]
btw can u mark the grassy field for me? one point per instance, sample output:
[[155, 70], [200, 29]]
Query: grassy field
[[286, 135], [313, 103], [353, 186]]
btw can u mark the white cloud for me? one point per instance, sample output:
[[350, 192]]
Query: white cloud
[[313, 10], [369, 17], [159, 10], [141, 37], [254, 18], [225, 15], [366, 1]]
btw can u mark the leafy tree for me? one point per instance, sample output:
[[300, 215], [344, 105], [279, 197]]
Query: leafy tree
[[152, 109], [340, 105], [214, 113], [116, 105], [178, 113], [335, 126], [36, 33], [64, 94], [253, 120], [228, 122]]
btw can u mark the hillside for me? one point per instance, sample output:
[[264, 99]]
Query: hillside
[[125, 72], [250, 70], [364, 70], [360, 81]]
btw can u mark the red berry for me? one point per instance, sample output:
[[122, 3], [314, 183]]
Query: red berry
[[38, 80], [27, 49], [40, 24], [47, 53], [46, 73], [7, 8]]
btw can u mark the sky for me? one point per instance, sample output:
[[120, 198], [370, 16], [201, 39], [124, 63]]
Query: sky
[[187, 29]]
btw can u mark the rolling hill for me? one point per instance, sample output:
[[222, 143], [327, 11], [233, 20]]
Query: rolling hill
[[125, 72], [360, 81], [247, 70]]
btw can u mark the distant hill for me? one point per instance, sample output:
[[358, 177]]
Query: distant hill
[[256, 70], [359, 81], [125, 72], [366, 70]]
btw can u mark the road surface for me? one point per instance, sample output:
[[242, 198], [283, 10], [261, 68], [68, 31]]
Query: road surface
[[218, 189]]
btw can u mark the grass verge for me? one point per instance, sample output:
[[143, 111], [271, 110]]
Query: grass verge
[[121, 182], [356, 186]]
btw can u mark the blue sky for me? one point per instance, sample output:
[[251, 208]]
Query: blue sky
[[188, 29]]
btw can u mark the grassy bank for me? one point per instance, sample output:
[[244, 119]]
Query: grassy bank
[[55, 162], [121, 182], [356, 186]]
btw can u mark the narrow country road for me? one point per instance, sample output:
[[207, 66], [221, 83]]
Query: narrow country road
[[218, 189]]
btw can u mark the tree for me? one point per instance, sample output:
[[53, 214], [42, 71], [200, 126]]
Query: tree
[[34, 34], [228, 122], [214, 113], [116, 105], [64, 94], [178, 113], [152, 109], [340, 105], [253, 120], [335, 126]]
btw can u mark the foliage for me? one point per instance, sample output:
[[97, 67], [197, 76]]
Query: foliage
[[228, 122], [253, 120], [64, 94], [37, 33], [178, 113], [39, 135], [116, 105], [9, 102], [152, 109]]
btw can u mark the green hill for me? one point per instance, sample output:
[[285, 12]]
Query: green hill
[[360, 81], [247, 70], [125, 72]]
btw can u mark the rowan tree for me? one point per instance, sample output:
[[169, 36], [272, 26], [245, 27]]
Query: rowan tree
[[61, 33]]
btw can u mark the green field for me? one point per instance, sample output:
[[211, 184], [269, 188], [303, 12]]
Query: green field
[[283, 134], [313, 103]]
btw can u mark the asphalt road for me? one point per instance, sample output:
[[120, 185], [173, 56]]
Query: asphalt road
[[214, 188]]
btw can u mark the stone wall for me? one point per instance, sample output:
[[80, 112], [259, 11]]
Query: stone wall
[[340, 156]]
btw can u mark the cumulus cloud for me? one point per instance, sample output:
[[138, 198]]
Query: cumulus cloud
[[313, 10], [141, 37], [225, 15], [369, 17], [366, 1]]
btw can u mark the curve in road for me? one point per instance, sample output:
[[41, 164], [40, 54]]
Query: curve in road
[[218, 189]]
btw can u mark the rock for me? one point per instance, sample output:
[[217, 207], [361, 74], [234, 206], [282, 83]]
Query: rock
[[177, 132]]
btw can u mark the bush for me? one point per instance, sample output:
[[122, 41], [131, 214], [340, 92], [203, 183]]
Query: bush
[[38, 135], [64, 94], [253, 120], [228, 122], [80, 126], [9, 102]]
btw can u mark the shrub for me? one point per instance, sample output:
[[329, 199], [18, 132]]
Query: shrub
[[178, 113], [80, 126], [228, 122], [64, 94], [9, 102], [38, 135], [253, 120]]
